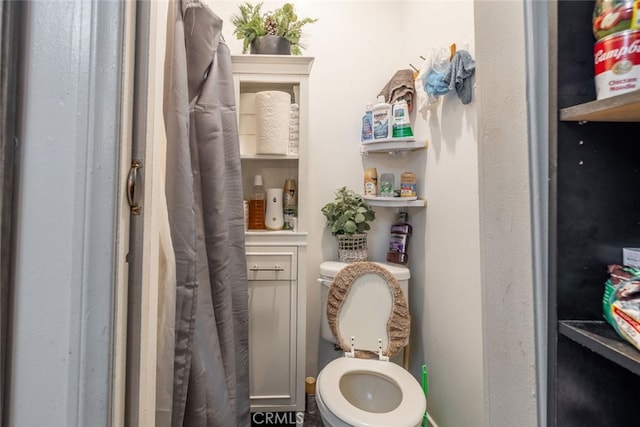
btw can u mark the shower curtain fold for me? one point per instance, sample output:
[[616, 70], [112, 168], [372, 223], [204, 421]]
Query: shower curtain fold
[[204, 196]]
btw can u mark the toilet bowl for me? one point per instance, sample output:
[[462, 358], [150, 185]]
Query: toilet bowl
[[368, 314]]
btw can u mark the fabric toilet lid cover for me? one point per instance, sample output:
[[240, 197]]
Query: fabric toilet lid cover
[[399, 322]]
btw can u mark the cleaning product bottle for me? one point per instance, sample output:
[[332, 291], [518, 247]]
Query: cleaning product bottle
[[400, 233], [367, 125], [381, 119], [257, 205], [401, 120]]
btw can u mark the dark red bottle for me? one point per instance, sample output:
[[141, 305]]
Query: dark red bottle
[[400, 233]]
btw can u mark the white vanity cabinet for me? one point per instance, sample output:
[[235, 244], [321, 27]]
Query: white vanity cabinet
[[273, 298], [276, 260]]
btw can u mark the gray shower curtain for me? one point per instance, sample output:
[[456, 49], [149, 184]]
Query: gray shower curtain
[[204, 197]]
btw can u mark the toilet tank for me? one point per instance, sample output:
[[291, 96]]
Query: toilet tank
[[328, 271]]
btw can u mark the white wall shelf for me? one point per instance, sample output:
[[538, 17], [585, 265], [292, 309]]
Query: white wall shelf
[[269, 157], [393, 145], [395, 202]]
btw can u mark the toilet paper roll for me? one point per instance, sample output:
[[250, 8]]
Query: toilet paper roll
[[248, 103], [272, 122], [247, 125], [247, 144]]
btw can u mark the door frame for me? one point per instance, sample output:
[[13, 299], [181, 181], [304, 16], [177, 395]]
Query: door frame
[[68, 311], [10, 19]]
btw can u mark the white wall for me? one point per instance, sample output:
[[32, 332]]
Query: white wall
[[357, 47], [505, 206]]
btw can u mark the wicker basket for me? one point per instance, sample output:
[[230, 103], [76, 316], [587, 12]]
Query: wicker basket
[[352, 248]]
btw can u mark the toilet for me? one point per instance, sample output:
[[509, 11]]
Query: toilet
[[367, 315]]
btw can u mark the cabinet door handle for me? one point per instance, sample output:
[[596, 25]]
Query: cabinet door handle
[[274, 268]]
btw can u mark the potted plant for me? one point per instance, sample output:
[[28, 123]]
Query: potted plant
[[275, 32], [349, 218]]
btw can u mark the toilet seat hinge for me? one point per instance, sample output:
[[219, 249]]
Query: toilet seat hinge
[[380, 355], [351, 353]]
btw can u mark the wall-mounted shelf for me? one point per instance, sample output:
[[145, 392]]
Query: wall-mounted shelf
[[600, 337], [394, 202], [392, 145], [268, 157], [621, 108]]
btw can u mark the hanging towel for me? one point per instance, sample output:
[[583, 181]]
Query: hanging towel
[[399, 87], [459, 75], [429, 84]]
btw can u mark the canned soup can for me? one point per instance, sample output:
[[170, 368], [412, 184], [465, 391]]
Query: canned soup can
[[617, 64]]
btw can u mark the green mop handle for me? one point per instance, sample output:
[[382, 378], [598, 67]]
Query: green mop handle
[[425, 389]]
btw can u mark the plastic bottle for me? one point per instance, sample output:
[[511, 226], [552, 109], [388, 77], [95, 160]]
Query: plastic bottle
[[257, 205], [310, 393], [387, 185], [370, 181], [367, 124], [381, 119], [401, 120], [400, 233]]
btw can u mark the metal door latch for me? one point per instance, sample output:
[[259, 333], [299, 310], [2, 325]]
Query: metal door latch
[[133, 196]]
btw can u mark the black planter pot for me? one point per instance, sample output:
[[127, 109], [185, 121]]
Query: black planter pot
[[270, 45]]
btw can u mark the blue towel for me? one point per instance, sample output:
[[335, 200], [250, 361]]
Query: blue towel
[[458, 77], [434, 84]]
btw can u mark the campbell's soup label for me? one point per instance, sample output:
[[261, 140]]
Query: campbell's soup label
[[617, 64]]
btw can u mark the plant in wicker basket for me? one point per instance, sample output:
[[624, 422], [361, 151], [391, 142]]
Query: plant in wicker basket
[[348, 218]]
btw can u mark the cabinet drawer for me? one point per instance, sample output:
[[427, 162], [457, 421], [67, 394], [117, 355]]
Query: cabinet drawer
[[271, 263]]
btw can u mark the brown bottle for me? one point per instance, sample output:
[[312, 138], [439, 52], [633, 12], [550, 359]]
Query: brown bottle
[[400, 233], [257, 205]]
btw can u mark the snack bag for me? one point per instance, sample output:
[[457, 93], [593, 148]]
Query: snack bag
[[621, 302]]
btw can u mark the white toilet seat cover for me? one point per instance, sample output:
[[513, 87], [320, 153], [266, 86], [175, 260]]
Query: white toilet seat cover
[[398, 323], [409, 412]]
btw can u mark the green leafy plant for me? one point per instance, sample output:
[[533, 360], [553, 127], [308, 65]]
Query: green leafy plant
[[250, 24], [348, 214]]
